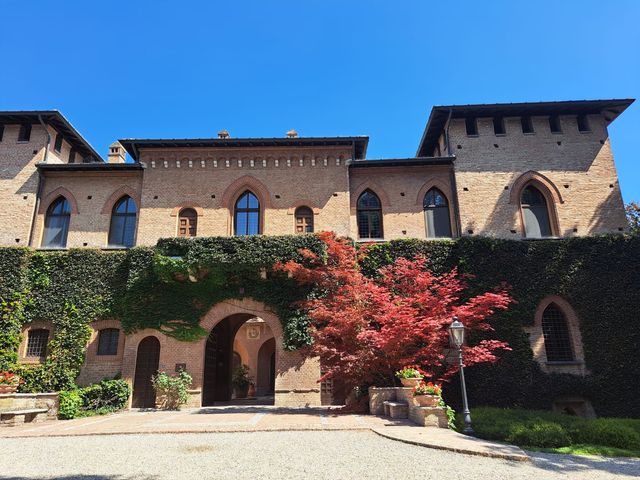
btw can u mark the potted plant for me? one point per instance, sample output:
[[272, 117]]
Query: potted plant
[[410, 376], [9, 382], [427, 394], [241, 381]]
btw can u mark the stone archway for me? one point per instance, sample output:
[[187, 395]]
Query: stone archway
[[295, 375]]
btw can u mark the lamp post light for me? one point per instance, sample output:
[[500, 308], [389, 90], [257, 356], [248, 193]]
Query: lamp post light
[[456, 337]]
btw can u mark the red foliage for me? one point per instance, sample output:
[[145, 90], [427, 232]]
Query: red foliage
[[366, 329]]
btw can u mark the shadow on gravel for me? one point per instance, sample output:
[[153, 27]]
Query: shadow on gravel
[[575, 464], [77, 477], [266, 409]]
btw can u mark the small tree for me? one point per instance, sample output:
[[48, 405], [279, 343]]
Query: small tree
[[365, 329], [633, 217]]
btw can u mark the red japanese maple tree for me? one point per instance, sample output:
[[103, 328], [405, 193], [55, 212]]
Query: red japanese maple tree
[[365, 329]]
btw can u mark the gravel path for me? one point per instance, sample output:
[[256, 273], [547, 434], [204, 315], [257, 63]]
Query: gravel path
[[278, 455]]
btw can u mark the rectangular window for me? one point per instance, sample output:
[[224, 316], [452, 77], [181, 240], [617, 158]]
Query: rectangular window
[[72, 156], [58, 145], [498, 126], [527, 124], [554, 124], [108, 341], [37, 340], [583, 124], [472, 126], [1, 132], [25, 133]]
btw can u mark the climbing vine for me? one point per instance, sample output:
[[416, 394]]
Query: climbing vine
[[171, 286]]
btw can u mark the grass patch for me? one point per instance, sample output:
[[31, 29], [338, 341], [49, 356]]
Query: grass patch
[[556, 433], [584, 449]]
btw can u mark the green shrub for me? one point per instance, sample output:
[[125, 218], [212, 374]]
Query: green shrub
[[171, 391], [70, 403], [544, 429], [610, 432], [106, 396], [538, 434]]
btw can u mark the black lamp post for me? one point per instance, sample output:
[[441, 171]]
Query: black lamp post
[[456, 336]]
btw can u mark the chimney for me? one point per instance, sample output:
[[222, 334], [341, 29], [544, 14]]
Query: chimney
[[292, 134], [223, 134], [116, 153]]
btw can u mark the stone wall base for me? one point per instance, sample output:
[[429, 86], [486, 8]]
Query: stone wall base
[[425, 416], [297, 398], [10, 402]]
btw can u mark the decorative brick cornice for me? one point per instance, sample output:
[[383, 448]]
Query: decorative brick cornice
[[53, 195]]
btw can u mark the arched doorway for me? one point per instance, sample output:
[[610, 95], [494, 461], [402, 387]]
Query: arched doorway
[[266, 375], [235, 341], [147, 361]]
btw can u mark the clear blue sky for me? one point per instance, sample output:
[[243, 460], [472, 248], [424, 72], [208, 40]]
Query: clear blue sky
[[258, 68]]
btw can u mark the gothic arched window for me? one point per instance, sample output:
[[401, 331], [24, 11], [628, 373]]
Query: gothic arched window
[[369, 215], [436, 214], [123, 223], [56, 224], [535, 213], [247, 215]]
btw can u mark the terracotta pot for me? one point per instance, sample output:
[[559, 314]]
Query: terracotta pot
[[410, 382], [8, 389], [427, 400], [252, 391], [241, 392]]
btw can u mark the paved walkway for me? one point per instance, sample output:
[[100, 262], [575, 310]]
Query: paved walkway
[[261, 419]]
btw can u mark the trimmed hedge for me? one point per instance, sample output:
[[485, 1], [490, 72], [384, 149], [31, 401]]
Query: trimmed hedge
[[543, 429], [170, 287]]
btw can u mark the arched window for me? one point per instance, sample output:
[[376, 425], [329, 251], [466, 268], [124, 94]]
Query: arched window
[[123, 223], [369, 215], [557, 341], [247, 215], [187, 222], [304, 220], [436, 214], [108, 341], [535, 213], [56, 224], [37, 340]]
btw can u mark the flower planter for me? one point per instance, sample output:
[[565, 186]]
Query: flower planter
[[8, 389], [427, 400], [241, 392], [410, 382]]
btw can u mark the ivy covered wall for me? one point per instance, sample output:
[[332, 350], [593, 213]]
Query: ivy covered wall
[[598, 276], [170, 287]]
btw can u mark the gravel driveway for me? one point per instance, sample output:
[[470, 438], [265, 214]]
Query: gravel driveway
[[280, 455]]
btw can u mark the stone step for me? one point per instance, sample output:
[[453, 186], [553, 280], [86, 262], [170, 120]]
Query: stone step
[[396, 409]]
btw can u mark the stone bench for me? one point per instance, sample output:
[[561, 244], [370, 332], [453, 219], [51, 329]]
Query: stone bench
[[396, 409], [15, 417]]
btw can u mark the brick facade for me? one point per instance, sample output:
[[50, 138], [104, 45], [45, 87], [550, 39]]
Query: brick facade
[[482, 177]]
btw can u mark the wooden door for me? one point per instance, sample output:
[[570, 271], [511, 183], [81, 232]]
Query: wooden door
[[147, 360]]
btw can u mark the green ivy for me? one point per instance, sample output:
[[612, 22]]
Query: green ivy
[[170, 287], [598, 276]]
